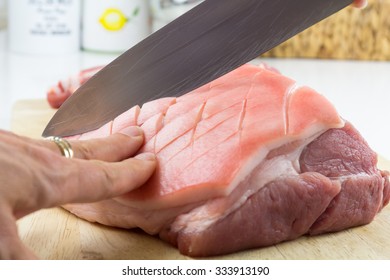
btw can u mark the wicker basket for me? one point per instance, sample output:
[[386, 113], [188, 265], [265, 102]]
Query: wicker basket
[[349, 34]]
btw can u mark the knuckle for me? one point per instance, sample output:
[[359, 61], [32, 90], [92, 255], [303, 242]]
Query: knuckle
[[107, 178], [84, 150]]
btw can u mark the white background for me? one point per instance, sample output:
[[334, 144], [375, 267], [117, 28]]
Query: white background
[[302, 270]]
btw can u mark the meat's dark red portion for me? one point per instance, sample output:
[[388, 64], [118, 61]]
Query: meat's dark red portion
[[339, 187]]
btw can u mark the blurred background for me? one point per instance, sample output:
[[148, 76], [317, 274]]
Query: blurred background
[[345, 57]]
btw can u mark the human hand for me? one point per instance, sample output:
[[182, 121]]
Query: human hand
[[34, 175], [360, 3]]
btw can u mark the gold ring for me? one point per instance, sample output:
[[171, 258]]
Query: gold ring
[[63, 145]]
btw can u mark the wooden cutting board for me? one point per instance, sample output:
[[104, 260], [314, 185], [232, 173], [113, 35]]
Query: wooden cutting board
[[57, 234]]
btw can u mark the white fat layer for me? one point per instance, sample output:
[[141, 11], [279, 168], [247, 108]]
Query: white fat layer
[[306, 137], [258, 172], [344, 178]]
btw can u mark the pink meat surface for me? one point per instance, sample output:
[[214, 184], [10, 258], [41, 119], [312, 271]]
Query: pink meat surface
[[246, 161]]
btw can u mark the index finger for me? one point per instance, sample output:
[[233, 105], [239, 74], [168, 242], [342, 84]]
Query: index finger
[[360, 3]]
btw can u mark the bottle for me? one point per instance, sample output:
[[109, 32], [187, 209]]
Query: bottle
[[114, 25], [44, 26], [2, 14], [165, 11]]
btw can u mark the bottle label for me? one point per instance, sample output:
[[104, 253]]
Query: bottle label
[[44, 26], [114, 26], [51, 17], [114, 19]]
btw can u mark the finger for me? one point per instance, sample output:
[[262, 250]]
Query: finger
[[115, 147], [24, 142], [89, 181], [360, 3], [11, 247]]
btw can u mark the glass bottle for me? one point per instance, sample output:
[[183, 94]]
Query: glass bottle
[[44, 26], [114, 25], [165, 11]]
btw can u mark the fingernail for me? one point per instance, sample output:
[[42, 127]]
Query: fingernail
[[132, 131], [146, 156]]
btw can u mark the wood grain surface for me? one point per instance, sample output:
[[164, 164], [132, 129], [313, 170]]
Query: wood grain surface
[[57, 234]]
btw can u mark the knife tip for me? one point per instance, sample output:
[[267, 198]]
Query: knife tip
[[47, 132]]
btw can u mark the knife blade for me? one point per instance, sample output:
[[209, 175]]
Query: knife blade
[[205, 43]]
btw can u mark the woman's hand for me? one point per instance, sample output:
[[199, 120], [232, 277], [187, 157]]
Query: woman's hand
[[34, 175], [360, 3]]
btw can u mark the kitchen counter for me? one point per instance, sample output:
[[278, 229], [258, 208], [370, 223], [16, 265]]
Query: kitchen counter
[[359, 90]]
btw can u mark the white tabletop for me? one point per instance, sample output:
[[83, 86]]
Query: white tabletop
[[359, 90]]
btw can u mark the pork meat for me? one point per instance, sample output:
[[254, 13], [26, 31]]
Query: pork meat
[[246, 161]]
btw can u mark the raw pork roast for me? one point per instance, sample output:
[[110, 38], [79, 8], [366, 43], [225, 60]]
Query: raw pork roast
[[246, 161]]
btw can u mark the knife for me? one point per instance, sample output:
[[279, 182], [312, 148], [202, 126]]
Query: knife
[[205, 43]]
